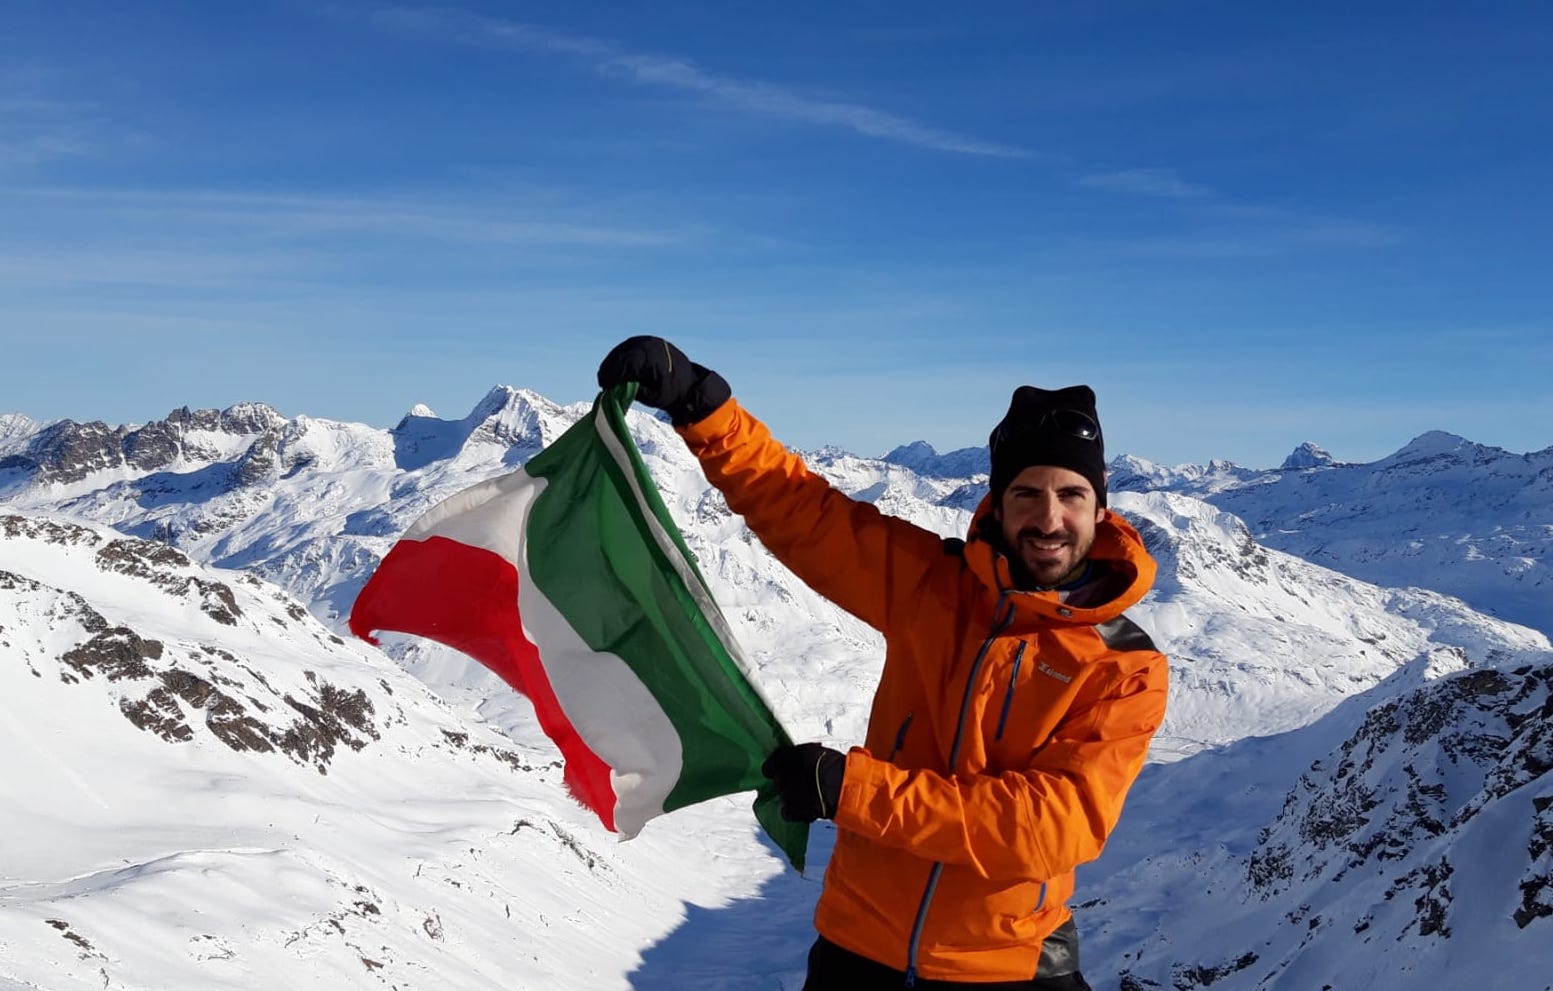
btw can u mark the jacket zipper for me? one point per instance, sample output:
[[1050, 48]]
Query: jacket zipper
[[1000, 623], [1008, 699], [900, 736]]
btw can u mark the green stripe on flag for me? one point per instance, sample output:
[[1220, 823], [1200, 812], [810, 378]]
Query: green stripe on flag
[[644, 600]]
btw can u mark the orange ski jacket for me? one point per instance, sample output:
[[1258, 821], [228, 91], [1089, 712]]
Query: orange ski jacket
[[1005, 731]]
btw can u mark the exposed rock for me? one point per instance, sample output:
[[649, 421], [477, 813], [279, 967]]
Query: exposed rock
[[1413, 776], [68, 451], [326, 717], [313, 738], [1536, 884], [1308, 455], [260, 461], [48, 530], [1191, 976], [117, 654], [151, 561], [153, 446]]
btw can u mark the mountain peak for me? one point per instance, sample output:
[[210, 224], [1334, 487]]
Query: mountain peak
[[239, 419], [922, 458], [505, 399], [506, 417], [251, 418], [16, 428], [511, 416], [497, 399], [1433, 443], [1309, 455], [907, 454]]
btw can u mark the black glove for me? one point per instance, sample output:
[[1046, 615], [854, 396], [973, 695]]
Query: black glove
[[808, 778], [665, 379]]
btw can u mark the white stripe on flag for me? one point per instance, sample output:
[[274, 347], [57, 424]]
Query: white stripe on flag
[[610, 708], [703, 596]]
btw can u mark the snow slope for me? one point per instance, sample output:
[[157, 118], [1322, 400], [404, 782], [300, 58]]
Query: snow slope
[[205, 788], [1403, 841], [1465, 519], [445, 807]]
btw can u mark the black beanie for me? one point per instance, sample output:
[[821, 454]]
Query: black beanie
[[1034, 431]]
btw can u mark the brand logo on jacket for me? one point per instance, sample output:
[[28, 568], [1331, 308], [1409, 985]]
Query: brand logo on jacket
[[1048, 670]]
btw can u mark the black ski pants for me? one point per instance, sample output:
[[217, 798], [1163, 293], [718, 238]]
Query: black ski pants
[[832, 968]]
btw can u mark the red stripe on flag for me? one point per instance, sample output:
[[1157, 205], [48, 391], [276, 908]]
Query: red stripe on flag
[[467, 597]]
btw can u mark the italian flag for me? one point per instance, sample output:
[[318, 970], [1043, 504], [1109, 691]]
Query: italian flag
[[569, 579]]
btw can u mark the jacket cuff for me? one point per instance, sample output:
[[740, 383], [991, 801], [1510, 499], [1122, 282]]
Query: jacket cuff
[[715, 424], [863, 780]]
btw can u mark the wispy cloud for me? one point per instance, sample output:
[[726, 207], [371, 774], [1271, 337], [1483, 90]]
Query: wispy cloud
[[300, 216], [18, 151], [153, 266], [746, 96], [1293, 234], [212, 241], [34, 131], [1147, 182], [1225, 229]]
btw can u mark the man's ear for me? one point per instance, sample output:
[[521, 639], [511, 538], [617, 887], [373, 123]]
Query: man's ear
[[1100, 514]]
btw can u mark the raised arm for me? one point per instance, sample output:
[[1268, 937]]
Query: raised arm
[[864, 561]]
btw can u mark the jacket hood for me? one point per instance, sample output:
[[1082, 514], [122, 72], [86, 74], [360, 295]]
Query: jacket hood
[[1118, 549]]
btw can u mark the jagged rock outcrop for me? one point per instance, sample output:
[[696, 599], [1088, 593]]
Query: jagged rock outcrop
[[1416, 782], [1414, 849], [67, 451], [1308, 455]]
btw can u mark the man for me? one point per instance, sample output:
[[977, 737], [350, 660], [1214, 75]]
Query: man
[[1015, 706]]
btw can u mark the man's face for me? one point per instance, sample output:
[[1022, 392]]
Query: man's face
[[1048, 516]]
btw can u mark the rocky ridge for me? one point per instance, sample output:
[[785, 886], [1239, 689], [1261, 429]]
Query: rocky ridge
[[1415, 845]]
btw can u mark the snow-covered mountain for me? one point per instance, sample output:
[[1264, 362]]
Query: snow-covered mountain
[[313, 504], [920, 457], [1308, 455], [1403, 841], [15, 430], [206, 788], [1263, 641], [1471, 521]]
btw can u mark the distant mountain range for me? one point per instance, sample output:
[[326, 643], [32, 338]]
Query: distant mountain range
[[1317, 617], [1442, 513]]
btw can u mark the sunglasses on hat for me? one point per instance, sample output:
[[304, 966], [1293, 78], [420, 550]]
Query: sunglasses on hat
[[1072, 422]]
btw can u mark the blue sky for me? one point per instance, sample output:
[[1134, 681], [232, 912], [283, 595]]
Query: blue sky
[[1246, 225]]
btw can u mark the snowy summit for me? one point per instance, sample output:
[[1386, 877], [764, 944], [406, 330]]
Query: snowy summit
[[1352, 787]]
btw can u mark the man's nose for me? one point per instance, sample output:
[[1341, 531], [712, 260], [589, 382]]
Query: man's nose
[[1048, 515]]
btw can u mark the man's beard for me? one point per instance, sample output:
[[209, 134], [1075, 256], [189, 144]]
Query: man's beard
[[1049, 573]]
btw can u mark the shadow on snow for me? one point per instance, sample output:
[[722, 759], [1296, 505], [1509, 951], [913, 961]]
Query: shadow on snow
[[755, 943]]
